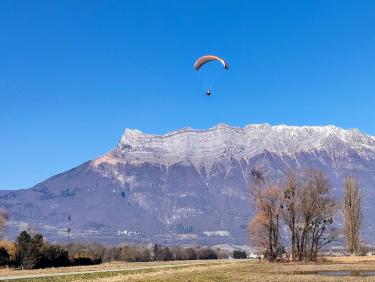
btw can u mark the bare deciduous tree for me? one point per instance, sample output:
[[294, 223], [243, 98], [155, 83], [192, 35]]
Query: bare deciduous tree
[[3, 221], [352, 214], [317, 208], [304, 205], [290, 212], [264, 228]]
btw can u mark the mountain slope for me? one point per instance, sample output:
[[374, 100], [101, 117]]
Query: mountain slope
[[187, 185]]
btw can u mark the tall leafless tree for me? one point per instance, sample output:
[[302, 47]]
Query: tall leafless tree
[[3, 221], [352, 214], [318, 208], [264, 228], [290, 212]]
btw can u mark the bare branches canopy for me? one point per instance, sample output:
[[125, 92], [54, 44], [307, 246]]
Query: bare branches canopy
[[302, 205]]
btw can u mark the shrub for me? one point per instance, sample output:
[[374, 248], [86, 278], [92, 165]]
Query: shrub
[[145, 254], [4, 257], [179, 253], [162, 254], [85, 261], [189, 254], [93, 251], [222, 254], [10, 247], [167, 255], [207, 254], [112, 253], [239, 254], [364, 250], [134, 253], [54, 256]]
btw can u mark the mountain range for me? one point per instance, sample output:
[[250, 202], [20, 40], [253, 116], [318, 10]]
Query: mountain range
[[187, 186]]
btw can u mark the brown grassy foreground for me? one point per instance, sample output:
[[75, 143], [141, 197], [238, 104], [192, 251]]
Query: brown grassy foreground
[[221, 270]]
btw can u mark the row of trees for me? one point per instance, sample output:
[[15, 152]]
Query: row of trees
[[178, 253], [141, 253], [301, 211], [31, 251]]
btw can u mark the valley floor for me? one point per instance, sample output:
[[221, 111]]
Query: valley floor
[[215, 270]]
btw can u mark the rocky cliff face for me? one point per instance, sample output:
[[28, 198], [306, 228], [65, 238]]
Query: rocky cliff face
[[188, 185]]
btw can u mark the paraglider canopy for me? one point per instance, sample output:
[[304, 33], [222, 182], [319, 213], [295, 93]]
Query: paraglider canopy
[[205, 59], [208, 58]]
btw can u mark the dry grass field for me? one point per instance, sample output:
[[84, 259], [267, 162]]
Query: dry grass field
[[221, 270]]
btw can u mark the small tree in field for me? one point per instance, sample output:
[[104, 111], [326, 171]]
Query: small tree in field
[[352, 214]]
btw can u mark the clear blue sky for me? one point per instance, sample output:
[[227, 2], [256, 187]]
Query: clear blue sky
[[75, 74]]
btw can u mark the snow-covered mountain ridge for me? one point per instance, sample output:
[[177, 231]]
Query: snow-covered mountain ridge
[[205, 146]]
